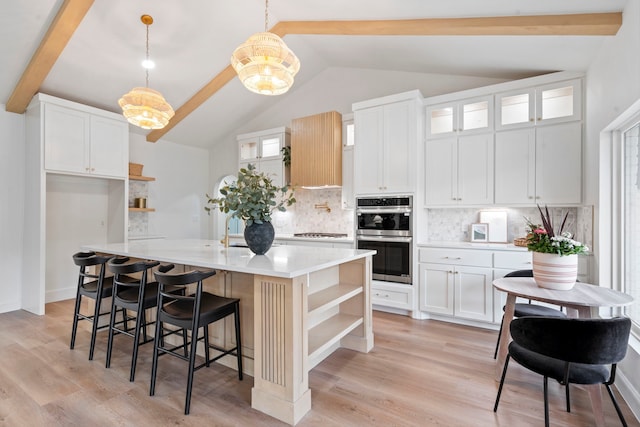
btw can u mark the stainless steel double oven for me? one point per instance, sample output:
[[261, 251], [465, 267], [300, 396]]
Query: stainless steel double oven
[[384, 224]]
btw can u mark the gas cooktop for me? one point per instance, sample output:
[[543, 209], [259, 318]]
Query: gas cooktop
[[320, 235]]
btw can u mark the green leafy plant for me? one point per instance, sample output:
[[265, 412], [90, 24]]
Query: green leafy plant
[[252, 198], [543, 238], [286, 155]]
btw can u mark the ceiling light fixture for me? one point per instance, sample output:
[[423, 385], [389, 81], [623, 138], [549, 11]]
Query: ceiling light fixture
[[146, 107], [264, 63]]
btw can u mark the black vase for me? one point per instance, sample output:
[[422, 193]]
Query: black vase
[[259, 237]]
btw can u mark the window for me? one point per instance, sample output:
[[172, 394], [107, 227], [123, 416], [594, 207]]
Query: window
[[631, 219]]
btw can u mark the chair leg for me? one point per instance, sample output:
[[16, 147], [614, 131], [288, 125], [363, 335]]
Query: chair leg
[[568, 398], [238, 341], [495, 353], [192, 363], [504, 374], [207, 354], [546, 402], [74, 328], [136, 344], [157, 342], [112, 323], [184, 342], [94, 327], [615, 404]]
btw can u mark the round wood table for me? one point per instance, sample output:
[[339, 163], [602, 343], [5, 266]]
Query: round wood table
[[579, 302]]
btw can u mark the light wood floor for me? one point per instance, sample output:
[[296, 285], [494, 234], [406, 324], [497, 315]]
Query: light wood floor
[[420, 373]]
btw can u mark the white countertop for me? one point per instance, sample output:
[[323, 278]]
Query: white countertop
[[280, 261], [470, 245], [291, 237]]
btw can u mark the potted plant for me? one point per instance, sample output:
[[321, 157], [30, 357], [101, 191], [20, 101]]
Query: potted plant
[[555, 253], [253, 198]]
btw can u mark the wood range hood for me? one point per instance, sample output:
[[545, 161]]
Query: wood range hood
[[316, 151]]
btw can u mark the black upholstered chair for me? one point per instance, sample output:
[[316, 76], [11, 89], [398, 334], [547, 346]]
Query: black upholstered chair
[[93, 285], [132, 295], [571, 351], [527, 309], [191, 312]]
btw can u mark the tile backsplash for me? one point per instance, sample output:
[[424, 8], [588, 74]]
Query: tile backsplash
[[308, 214], [453, 224]]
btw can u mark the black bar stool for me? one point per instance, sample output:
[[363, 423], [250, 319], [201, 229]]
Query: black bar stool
[[134, 295], [191, 312], [94, 286]]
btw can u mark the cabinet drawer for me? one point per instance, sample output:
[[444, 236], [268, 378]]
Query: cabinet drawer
[[512, 260], [398, 298], [456, 256]]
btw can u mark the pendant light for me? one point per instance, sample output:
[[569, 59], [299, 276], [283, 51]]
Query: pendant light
[[264, 63], [142, 106]]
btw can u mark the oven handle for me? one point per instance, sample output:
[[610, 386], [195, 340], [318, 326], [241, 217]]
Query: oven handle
[[384, 239], [383, 210]]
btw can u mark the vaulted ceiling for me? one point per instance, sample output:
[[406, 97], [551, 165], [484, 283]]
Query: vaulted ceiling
[[191, 43]]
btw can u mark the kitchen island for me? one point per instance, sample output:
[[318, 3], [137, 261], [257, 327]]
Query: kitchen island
[[298, 305]]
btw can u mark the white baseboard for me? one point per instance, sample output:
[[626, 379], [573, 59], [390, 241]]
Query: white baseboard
[[60, 294], [629, 393], [10, 306]]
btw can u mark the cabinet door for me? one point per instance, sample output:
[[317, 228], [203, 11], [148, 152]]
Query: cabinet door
[[559, 102], [559, 163], [476, 115], [274, 168], [368, 146], [441, 119], [399, 146], [473, 293], [436, 288], [348, 195], [515, 109], [441, 172], [66, 136], [515, 166], [109, 150], [248, 150], [475, 169], [270, 146]]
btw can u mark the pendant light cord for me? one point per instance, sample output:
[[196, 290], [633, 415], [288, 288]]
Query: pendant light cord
[[266, 15], [146, 82]]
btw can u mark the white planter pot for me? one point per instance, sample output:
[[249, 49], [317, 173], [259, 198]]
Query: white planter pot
[[553, 271]]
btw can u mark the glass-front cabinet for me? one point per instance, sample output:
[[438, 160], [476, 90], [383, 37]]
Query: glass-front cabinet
[[552, 103], [263, 149], [471, 115]]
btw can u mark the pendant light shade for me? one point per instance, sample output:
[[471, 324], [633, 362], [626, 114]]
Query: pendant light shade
[[264, 63], [146, 107]]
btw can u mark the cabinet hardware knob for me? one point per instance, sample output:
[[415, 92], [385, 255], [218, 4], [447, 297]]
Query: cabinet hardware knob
[[531, 197], [455, 272], [538, 197], [531, 119], [458, 258], [539, 119]]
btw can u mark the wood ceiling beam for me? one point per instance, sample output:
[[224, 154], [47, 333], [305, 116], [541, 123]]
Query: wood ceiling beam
[[587, 24], [217, 83], [71, 13]]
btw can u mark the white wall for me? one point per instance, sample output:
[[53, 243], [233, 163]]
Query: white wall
[[178, 193], [613, 85], [12, 152]]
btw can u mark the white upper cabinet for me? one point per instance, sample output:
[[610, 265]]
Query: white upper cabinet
[[263, 149], [83, 143], [467, 116], [386, 139], [459, 170], [547, 104], [540, 165]]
